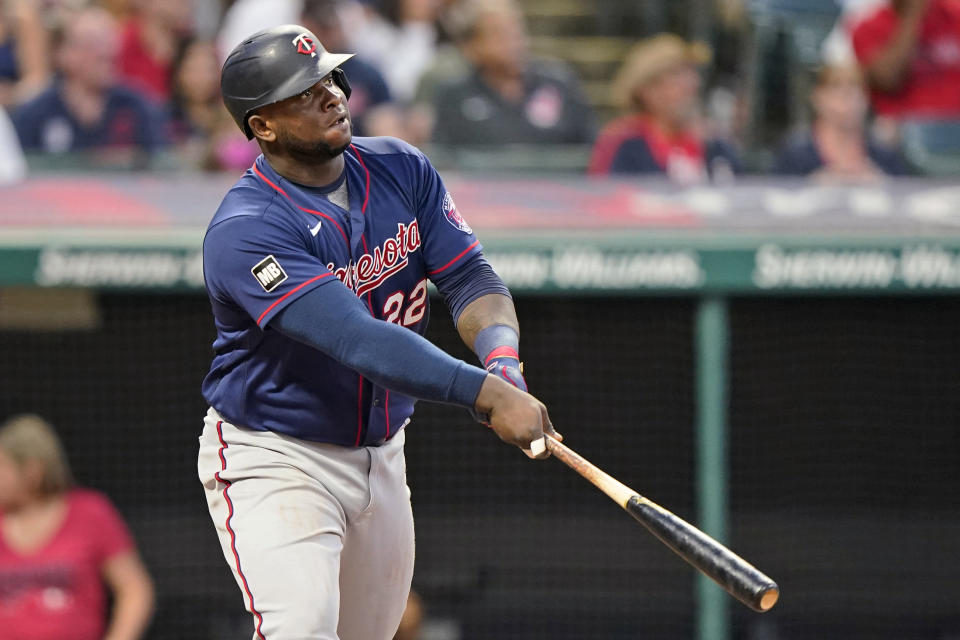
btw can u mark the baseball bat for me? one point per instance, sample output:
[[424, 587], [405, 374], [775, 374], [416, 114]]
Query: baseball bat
[[737, 576]]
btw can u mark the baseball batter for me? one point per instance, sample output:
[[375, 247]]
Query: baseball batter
[[316, 265]]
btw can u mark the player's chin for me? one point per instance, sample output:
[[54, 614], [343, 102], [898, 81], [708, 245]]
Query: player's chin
[[338, 139], [337, 149]]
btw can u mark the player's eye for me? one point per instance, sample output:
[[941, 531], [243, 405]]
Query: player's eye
[[306, 93]]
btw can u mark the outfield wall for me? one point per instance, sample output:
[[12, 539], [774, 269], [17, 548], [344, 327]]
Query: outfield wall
[[778, 364]]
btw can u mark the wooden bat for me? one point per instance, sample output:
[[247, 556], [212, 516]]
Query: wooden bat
[[737, 576]]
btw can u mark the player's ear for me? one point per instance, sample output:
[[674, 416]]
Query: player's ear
[[261, 128]]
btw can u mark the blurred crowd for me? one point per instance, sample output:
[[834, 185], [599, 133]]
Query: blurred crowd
[[125, 82]]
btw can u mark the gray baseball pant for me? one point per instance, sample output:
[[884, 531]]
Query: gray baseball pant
[[319, 537]]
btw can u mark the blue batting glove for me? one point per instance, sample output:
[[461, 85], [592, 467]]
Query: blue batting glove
[[496, 346], [508, 368]]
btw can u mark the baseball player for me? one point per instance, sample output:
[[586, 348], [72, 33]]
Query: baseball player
[[316, 265]]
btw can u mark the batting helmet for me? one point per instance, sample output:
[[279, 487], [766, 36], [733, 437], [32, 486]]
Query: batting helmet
[[274, 65]]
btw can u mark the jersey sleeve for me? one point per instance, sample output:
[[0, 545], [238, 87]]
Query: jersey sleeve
[[259, 266], [447, 238]]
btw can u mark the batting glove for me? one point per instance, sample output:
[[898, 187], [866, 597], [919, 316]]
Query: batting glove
[[507, 367], [496, 346]]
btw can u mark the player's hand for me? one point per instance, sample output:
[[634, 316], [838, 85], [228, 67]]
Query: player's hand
[[516, 416], [509, 370]]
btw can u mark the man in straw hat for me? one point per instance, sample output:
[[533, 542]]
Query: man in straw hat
[[658, 86]]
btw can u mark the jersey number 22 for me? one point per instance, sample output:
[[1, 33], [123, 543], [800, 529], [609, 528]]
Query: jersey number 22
[[416, 306]]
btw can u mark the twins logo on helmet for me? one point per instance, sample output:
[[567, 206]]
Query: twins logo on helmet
[[305, 45]]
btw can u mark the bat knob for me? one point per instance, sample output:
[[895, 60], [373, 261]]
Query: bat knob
[[769, 598]]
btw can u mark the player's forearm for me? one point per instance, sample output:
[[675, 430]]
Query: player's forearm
[[486, 311], [489, 326], [470, 281]]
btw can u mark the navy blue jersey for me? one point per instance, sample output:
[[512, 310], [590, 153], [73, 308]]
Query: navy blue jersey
[[272, 241]]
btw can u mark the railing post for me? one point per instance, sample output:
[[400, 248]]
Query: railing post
[[712, 338]]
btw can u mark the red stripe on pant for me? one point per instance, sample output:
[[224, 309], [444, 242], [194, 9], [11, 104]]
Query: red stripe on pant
[[233, 535]]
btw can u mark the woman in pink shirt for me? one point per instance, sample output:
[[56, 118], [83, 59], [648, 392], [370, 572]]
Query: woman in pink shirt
[[61, 548]]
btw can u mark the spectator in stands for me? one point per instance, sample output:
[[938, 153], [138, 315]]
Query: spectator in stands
[[448, 64], [24, 66], [85, 108], [399, 37], [201, 128], [60, 546], [508, 97], [204, 20], [150, 39], [245, 17], [837, 48], [371, 110], [57, 14], [195, 103], [119, 9], [837, 147], [910, 53], [663, 132]]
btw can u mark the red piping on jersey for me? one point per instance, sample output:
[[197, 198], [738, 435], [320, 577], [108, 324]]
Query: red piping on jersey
[[359, 409], [363, 239], [366, 197], [363, 211], [290, 293], [233, 534], [304, 209], [502, 352], [460, 255]]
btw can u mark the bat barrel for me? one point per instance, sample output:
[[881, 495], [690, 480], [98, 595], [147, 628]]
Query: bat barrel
[[737, 576]]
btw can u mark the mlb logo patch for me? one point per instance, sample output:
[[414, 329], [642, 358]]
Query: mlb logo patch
[[269, 273]]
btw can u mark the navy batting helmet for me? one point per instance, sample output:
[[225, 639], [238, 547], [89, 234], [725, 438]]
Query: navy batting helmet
[[274, 65]]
